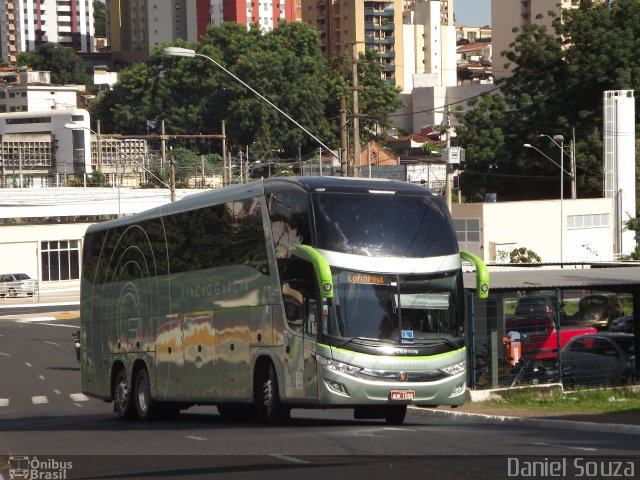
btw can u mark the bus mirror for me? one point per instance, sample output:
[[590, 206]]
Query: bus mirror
[[482, 274], [320, 267]]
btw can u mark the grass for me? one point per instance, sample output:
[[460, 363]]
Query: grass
[[607, 400]]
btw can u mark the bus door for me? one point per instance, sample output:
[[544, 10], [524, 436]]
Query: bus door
[[302, 314]]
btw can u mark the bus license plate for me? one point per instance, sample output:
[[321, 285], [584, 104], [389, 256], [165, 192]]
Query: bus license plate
[[403, 394]]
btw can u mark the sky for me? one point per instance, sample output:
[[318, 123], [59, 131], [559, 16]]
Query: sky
[[473, 13]]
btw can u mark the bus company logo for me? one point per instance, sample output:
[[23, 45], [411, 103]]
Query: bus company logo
[[372, 279], [34, 468], [405, 351]]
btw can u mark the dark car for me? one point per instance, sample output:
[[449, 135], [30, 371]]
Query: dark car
[[596, 310], [539, 305], [14, 284], [622, 324], [605, 358]]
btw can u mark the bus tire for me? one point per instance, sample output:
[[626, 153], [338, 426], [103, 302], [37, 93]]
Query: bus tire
[[395, 414], [269, 406], [122, 404], [142, 395]]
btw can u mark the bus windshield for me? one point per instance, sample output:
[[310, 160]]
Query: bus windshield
[[415, 226], [402, 309]]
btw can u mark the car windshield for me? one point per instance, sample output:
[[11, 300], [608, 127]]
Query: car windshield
[[403, 309], [22, 276]]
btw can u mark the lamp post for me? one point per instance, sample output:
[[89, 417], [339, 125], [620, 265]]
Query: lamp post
[[559, 142], [562, 171], [75, 126], [186, 52]]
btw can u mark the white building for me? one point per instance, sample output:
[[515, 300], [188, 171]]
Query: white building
[[33, 144], [34, 92], [26, 24]]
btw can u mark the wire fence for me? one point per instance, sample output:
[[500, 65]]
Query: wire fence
[[577, 338]]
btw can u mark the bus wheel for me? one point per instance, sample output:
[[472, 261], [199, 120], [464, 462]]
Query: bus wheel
[[395, 414], [142, 395], [121, 396], [270, 407]]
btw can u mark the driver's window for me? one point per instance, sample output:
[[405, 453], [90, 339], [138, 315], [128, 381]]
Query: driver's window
[[299, 296]]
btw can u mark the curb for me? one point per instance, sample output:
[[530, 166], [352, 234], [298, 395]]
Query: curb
[[530, 422]]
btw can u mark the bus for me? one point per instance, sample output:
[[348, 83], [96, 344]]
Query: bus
[[287, 292]]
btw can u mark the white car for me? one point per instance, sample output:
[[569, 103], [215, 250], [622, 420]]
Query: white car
[[14, 284]]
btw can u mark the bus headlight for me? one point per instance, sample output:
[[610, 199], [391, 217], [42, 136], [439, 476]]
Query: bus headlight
[[455, 369], [337, 366]]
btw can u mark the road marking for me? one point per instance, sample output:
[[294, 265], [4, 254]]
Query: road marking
[[56, 391], [4, 402], [5, 354], [35, 319], [288, 458], [60, 325], [193, 437], [41, 377], [51, 343], [28, 364], [79, 397], [39, 399], [569, 447]]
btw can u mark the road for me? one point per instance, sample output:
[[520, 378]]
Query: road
[[44, 414]]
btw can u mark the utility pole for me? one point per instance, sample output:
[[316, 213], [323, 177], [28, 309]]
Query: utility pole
[[572, 168], [448, 164], [225, 172], [344, 138], [99, 136], [356, 122], [163, 148]]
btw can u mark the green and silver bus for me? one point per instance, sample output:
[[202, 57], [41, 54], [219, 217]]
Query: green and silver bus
[[292, 292]]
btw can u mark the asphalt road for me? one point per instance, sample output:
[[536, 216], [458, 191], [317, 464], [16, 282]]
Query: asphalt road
[[44, 415]]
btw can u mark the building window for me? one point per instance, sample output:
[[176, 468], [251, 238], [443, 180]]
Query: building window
[[60, 260], [595, 220], [467, 229]]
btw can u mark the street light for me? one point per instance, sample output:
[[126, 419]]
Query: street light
[[186, 52], [75, 126], [572, 169], [562, 172]]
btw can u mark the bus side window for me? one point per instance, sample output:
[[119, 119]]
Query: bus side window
[[294, 305]]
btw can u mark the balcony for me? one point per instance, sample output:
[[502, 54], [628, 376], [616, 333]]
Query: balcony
[[387, 12], [373, 26], [370, 40]]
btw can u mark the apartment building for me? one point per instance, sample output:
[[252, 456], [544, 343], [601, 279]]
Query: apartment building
[[26, 24], [509, 14], [135, 26], [32, 91]]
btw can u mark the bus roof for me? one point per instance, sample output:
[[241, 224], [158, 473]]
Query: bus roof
[[258, 187]]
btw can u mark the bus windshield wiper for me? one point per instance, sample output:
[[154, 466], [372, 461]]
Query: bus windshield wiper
[[366, 339]]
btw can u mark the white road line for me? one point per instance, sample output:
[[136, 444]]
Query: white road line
[[193, 437], [289, 459], [59, 325], [4, 402], [56, 391], [36, 319], [28, 364], [39, 399], [51, 343], [79, 397], [78, 404], [41, 377], [569, 447], [5, 354]]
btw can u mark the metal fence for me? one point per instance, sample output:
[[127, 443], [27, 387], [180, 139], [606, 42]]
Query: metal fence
[[578, 338]]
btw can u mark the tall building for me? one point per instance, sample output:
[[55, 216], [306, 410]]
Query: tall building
[[135, 26], [509, 14], [26, 24], [368, 24]]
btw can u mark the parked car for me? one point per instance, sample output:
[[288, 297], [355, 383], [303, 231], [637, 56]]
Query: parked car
[[541, 342], [539, 305], [596, 310], [14, 284], [621, 324], [605, 358]]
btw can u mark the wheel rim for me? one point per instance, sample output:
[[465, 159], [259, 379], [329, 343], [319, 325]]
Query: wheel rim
[[143, 395], [122, 394]]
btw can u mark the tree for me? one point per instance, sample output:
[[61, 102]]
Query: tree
[[284, 65], [64, 63], [99, 18], [556, 88]]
